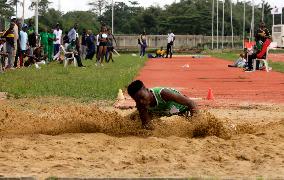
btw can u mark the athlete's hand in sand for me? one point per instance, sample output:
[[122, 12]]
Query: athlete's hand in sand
[[148, 126]]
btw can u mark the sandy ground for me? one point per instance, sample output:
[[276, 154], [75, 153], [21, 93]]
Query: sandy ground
[[55, 137]]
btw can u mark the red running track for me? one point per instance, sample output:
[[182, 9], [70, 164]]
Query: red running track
[[228, 84]]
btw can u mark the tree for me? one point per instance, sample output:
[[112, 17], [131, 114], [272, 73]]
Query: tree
[[98, 6], [42, 6], [6, 9]]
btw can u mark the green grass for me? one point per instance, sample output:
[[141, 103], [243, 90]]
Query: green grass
[[232, 56], [90, 83]]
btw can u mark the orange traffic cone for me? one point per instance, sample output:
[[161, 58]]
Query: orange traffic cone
[[210, 94]]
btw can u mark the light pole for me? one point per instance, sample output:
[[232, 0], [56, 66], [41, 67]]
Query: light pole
[[262, 12], [252, 21], [232, 27], [36, 15], [112, 14], [212, 24], [217, 24], [244, 24], [223, 24]]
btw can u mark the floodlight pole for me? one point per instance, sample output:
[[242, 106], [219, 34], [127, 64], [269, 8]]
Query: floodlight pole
[[212, 24], [23, 16], [281, 15], [112, 16], [232, 24], [252, 21], [262, 13], [36, 17], [244, 24], [223, 24], [217, 24]]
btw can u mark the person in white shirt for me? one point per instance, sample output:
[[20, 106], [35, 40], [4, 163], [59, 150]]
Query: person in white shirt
[[171, 39], [23, 43], [98, 46], [58, 33]]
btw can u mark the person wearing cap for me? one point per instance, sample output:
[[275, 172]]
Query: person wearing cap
[[58, 35], [24, 43], [159, 101]]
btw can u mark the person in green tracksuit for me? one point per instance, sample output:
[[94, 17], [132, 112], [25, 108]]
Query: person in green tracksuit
[[51, 39], [159, 101], [44, 41]]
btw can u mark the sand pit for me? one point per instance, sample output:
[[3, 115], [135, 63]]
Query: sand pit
[[55, 137]]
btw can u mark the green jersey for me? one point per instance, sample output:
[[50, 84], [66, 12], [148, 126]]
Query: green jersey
[[51, 38], [44, 38], [166, 107]]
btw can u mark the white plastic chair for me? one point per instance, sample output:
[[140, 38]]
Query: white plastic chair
[[67, 59], [265, 61]]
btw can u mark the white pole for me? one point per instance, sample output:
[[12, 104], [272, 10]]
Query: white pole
[[36, 17], [252, 21], [273, 19], [217, 1], [281, 15], [23, 16], [59, 5], [244, 24], [212, 24], [232, 24], [262, 13], [223, 24], [112, 16]]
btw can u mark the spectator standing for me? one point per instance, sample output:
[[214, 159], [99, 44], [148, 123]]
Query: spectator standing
[[10, 44], [143, 44], [171, 39], [51, 39], [44, 41], [58, 41], [83, 44], [110, 47], [91, 48], [97, 46], [31, 36], [103, 44], [24, 43], [72, 33], [16, 38]]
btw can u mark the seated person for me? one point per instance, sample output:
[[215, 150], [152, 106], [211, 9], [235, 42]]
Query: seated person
[[161, 52], [37, 58], [263, 39], [240, 62], [72, 48]]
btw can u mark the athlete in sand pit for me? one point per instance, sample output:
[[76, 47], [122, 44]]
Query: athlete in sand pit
[[159, 101]]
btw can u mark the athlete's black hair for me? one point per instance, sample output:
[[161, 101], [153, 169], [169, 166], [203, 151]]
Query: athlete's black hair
[[134, 87]]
